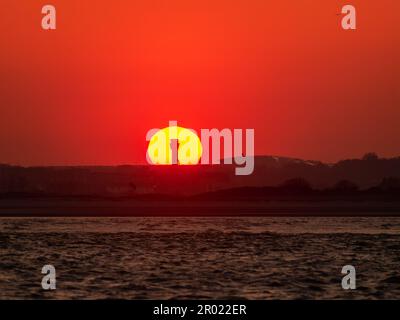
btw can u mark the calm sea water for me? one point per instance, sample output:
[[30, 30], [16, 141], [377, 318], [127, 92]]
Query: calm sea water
[[221, 258]]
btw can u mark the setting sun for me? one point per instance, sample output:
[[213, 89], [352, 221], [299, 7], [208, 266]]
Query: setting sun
[[174, 145]]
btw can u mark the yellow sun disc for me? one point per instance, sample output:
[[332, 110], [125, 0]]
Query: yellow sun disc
[[174, 145]]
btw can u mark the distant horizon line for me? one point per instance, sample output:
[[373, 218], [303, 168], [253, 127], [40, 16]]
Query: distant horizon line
[[371, 155]]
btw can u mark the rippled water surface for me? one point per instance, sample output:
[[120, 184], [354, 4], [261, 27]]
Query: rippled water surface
[[165, 258]]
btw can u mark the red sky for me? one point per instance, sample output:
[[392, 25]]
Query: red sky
[[88, 92]]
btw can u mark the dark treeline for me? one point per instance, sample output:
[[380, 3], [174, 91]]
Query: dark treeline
[[273, 178], [293, 189], [299, 188]]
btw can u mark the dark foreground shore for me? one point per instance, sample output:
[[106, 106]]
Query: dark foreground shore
[[58, 207]]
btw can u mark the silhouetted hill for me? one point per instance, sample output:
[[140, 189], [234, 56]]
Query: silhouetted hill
[[300, 190], [352, 174]]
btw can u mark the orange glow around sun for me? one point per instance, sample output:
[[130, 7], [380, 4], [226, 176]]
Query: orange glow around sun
[[174, 145]]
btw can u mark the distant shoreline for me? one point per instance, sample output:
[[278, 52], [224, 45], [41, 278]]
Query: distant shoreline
[[135, 208]]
